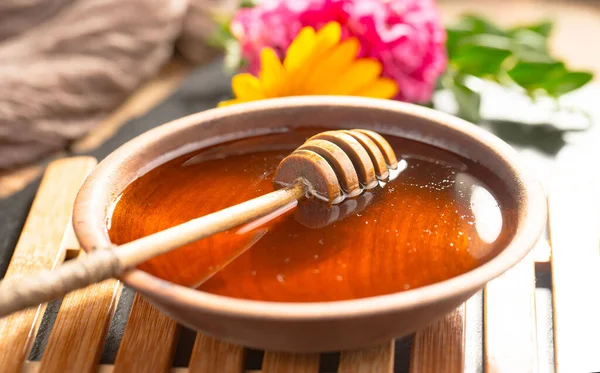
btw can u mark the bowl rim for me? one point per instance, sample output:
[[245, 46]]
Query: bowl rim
[[531, 196]]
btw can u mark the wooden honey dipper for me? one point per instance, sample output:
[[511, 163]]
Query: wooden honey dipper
[[330, 166]]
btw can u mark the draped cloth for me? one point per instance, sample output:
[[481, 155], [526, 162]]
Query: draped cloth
[[66, 64]]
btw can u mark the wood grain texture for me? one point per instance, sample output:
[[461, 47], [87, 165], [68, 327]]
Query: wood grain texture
[[34, 367], [149, 340], [210, 355], [575, 268], [509, 320], [282, 362], [441, 346], [77, 339], [39, 247], [16, 179], [378, 359], [70, 243]]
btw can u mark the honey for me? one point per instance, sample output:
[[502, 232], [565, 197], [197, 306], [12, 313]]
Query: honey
[[441, 216]]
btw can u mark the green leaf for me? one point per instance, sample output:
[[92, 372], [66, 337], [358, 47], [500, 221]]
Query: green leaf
[[531, 46], [476, 24], [566, 83], [531, 75], [530, 39], [543, 28], [247, 4], [468, 101], [533, 56], [221, 36], [468, 25], [233, 56], [487, 40], [520, 55], [453, 38], [480, 56]]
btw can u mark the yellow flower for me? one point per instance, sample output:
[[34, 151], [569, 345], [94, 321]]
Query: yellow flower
[[316, 63]]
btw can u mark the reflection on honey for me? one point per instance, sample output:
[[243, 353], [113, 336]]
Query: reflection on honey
[[436, 220]]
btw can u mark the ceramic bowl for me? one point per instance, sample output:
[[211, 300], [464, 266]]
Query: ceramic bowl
[[325, 326]]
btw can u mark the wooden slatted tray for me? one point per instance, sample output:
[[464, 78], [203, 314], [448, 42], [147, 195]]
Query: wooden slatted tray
[[504, 338]]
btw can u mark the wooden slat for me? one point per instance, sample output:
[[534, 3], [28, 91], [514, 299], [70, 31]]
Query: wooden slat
[[575, 277], [366, 360], [16, 179], [210, 355], [70, 244], [77, 338], [149, 340], [441, 346], [509, 320], [39, 248], [281, 362], [34, 367]]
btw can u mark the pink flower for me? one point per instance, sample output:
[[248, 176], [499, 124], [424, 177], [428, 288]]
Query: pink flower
[[406, 36]]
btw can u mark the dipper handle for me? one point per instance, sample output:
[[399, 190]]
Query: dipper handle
[[330, 166], [21, 292]]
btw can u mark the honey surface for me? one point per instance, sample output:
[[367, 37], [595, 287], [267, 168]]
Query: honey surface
[[438, 219]]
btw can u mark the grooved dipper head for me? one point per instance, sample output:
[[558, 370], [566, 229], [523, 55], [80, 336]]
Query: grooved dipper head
[[339, 164]]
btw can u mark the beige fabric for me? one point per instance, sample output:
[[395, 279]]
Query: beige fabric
[[65, 64]]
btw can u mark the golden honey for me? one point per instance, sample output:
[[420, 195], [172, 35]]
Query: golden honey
[[442, 216]]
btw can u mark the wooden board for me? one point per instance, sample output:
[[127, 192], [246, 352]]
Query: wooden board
[[281, 362], [441, 346], [509, 320], [39, 248], [366, 360], [210, 355], [77, 337], [149, 340], [14, 180]]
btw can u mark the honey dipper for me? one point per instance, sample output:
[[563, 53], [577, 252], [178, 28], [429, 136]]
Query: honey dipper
[[330, 166]]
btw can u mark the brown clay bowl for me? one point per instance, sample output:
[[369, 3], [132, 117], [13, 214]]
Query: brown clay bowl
[[311, 327]]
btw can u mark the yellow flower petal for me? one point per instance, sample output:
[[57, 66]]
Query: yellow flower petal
[[337, 61], [316, 63], [247, 86], [298, 52], [358, 75], [272, 75], [325, 39], [381, 88], [231, 102]]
